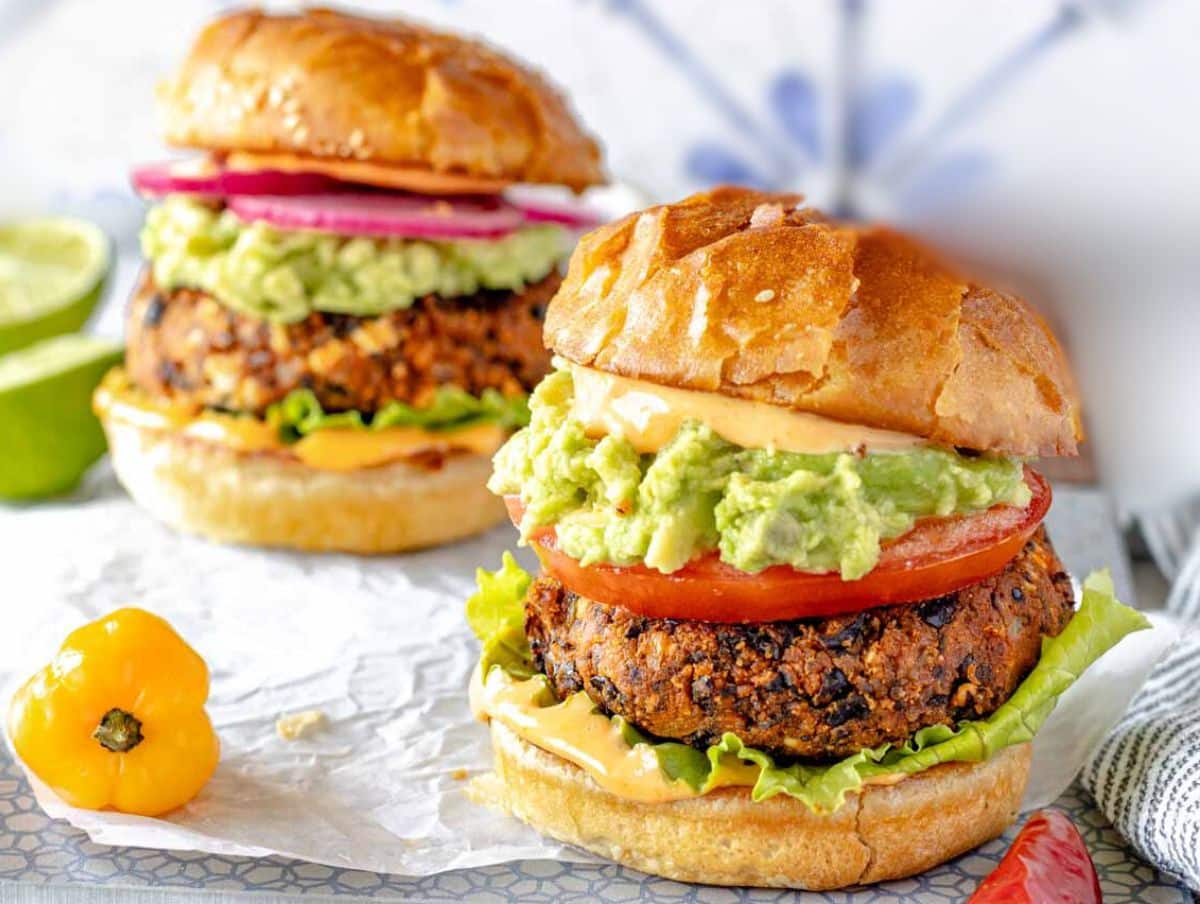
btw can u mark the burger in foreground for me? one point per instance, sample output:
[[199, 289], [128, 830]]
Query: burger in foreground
[[797, 619], [340, 320]]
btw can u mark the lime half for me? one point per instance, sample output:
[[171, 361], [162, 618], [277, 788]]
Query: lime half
[[48, 434], [51, 277]]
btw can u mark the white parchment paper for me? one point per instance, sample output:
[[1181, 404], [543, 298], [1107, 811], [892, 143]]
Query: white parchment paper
[[381, 647]]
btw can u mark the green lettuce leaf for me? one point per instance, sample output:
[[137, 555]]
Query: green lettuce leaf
[[300, 413], [496, 613], [1100, 622]]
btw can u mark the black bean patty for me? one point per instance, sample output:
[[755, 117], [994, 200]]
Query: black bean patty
[[814, 688], [186, 346]]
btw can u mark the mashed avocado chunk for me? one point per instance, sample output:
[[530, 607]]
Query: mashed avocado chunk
[[757, 507], [283, 276]]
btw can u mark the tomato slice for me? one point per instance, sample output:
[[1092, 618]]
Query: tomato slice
[[938, 556], [1048, 861]]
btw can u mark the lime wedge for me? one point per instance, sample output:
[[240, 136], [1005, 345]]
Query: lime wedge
[[51, 277], [48, 434]]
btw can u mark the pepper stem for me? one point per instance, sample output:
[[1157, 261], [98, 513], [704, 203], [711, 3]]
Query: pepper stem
[[118, 731]]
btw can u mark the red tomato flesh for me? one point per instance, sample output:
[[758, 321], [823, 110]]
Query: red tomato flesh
[[938, 556], [1048, 862]]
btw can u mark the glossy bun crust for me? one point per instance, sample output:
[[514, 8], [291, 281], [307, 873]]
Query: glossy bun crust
[[327, 85], [748, 294], [724, 838]]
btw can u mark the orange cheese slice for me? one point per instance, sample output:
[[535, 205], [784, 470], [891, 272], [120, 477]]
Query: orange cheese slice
[[335, 449], [350, 450]]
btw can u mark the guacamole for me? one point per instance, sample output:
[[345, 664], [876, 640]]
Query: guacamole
[[283, 276], [757, 507]]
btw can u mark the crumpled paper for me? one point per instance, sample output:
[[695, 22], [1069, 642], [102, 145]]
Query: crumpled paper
[[381, 647]]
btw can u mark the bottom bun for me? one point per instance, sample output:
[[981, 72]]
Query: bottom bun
[[266, 500], [724, 838]]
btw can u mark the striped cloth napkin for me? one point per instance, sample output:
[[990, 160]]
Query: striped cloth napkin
[[1146, 774]]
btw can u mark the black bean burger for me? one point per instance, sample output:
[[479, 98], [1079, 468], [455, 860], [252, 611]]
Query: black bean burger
[[798, 617], [340, 317]]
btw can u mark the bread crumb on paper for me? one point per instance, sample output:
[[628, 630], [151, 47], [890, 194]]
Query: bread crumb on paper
[[487, 790], [294, 726]]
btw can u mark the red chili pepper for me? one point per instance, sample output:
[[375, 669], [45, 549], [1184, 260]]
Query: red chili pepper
[[1048, 863]]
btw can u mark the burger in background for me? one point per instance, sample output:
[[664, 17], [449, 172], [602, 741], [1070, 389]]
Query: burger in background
[[798, 618], [340, 318]]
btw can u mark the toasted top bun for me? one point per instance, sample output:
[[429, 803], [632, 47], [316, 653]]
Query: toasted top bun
[[744, 293], [327, 85]]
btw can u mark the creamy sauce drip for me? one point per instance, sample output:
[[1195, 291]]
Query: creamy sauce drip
[[575, 731], [648, 415]]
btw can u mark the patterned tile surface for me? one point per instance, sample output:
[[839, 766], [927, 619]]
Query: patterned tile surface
[[38, 851]]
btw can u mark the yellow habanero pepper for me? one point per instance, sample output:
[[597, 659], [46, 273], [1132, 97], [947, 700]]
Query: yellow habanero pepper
[[117, 719]]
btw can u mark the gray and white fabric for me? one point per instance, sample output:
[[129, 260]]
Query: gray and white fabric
[[1173, 536], [1146, 774]]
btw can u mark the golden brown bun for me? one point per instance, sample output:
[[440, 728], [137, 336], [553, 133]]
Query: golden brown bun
[[328, 85], [265, 500], [724, 838], [743, 293]]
